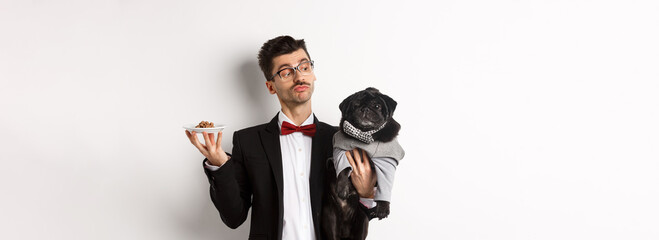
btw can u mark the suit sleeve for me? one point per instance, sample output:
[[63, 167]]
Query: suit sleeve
[[229, 188]]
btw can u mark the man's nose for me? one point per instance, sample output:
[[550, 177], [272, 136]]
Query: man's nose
[[298, 76]]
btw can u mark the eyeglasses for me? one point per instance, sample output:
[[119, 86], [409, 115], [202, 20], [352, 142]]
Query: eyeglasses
[[287, 74]]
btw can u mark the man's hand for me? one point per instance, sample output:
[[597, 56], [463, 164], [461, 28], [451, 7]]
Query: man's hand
[[363, 178], [212, 149]]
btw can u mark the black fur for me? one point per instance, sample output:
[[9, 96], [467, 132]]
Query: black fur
[[388, 133], [382, 209], [358, 105], [342, 218]]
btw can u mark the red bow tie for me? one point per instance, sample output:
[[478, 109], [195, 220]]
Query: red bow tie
[[288, 128]]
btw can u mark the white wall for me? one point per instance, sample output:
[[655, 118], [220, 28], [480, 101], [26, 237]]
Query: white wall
[[521, 119]]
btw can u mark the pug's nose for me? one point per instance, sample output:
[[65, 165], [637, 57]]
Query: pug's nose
[[364, 111]]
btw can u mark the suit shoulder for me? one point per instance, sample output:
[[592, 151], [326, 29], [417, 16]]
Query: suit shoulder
[[251, 130], [331, 128]]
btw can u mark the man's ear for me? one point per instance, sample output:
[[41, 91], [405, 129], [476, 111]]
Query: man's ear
[[270, 86]]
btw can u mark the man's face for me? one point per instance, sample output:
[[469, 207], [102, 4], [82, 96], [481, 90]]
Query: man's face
[[295, 91]]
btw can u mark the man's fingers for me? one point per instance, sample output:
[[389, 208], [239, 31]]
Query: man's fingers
[[207, 141], [365, 160], [190, 136], [211, 136], [202, 149], [193, 138], [358, 151], [196, 143], [351, 161], [187, 134], [358, 160], [358, 157]]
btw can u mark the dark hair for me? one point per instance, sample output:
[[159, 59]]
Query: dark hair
[[276, 47]]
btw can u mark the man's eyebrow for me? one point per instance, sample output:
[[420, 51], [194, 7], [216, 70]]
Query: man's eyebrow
[[283, 65], [288, 65]]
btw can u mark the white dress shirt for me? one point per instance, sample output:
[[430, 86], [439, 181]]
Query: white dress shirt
[[296, 165]]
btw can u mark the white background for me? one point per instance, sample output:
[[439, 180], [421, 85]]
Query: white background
[[521, 119]]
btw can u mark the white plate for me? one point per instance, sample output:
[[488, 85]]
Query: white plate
[[191, 128]]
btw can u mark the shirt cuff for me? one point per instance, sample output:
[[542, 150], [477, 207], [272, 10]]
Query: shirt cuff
[[211, 167], [368, 202]]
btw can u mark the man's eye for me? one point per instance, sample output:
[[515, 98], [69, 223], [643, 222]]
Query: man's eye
[[286, 72]]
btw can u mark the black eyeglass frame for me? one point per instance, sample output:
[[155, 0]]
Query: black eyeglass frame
[[295, 69]]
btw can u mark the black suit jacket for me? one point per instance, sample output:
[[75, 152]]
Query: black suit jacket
[[253, 178]]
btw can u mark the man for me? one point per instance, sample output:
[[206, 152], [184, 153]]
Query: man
[[278, 168]]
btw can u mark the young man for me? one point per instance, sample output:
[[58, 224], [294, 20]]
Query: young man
[[278, 168]]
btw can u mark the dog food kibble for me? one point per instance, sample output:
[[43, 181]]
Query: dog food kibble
[[205, 124]]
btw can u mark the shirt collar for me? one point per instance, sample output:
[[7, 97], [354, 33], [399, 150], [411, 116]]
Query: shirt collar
[[282, 117]]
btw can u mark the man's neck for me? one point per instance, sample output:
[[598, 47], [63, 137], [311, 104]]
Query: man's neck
[[298, 113]]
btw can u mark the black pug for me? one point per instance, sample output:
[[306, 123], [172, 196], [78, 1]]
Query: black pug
[[366, 123]]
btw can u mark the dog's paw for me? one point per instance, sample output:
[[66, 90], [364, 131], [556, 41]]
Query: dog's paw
[[382, 209]]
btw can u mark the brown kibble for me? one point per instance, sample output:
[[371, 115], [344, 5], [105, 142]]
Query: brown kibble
[[205, 124]]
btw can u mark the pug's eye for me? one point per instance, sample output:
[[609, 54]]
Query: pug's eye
[[377, 106]]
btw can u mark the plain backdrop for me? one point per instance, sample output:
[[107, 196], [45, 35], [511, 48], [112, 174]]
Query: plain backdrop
[[520, 119]]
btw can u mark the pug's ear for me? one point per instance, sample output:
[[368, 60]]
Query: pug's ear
[[346, 104], [391, 104]]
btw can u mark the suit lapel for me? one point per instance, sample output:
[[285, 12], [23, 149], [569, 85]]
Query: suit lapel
[[317, 175], [270, 140]]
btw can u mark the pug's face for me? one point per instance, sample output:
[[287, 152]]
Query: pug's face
[[367, 109]]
